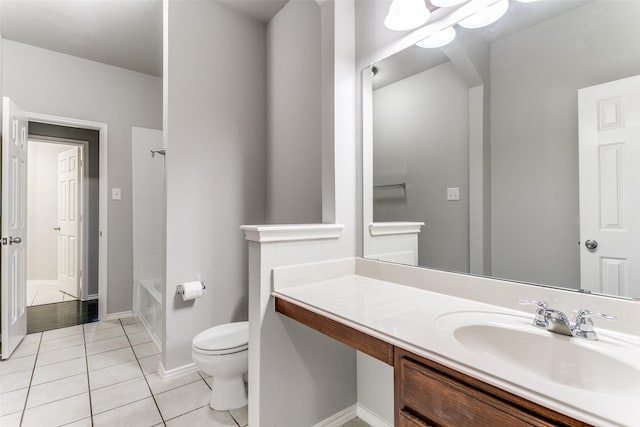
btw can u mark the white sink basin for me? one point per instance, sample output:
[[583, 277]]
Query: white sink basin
[[604, 366]]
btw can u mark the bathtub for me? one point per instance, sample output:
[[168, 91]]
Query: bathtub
[[148, 306]]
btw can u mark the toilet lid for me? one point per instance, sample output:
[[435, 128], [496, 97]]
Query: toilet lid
[[227, 338]]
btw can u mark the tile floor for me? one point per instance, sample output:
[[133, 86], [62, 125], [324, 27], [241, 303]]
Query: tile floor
[[45, 293], [101, 374]]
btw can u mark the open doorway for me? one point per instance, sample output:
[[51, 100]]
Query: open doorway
[[62, 219], [55, 213]]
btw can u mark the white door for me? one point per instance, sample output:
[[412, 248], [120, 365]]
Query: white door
[[69, 221], [14, 226], [609, 146]]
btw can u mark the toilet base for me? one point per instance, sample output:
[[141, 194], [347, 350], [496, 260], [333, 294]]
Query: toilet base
[[228, 393]]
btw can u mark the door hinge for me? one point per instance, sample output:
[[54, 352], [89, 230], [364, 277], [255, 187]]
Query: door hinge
[[80, 273], [3, 241], [81, 162]]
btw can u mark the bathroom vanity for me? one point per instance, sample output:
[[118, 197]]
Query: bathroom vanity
[[429, 393], [460, 361]]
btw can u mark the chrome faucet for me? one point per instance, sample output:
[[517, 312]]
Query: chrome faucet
[[584, 326], [558, 322]]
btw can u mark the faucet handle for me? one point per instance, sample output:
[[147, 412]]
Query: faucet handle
[[541, 304], [541, 314], [584, 325]]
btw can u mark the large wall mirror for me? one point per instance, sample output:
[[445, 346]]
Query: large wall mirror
[[517, 145]]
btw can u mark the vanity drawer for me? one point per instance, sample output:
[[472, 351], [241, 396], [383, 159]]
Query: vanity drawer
[[440, 400], [408, 420]]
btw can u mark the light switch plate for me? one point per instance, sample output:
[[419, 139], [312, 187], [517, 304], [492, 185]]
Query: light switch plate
[[453, 193], [116, 194]]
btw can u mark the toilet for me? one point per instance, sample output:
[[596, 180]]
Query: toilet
[[222, 352]]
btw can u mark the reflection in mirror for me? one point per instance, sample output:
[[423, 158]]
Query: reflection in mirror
[[518, 146]]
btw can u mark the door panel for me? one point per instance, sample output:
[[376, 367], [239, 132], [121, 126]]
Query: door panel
[[14, 226], [68, 221], [609, 148]]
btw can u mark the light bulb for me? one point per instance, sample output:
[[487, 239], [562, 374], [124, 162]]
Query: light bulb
[[447, 3], [486, 16], [439, 39], [406, 15]]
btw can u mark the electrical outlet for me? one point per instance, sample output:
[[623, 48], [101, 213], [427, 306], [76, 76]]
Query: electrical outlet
[[116, 194], [453, 193]]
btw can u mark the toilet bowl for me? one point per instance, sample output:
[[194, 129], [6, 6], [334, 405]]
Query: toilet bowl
[[222, 352]]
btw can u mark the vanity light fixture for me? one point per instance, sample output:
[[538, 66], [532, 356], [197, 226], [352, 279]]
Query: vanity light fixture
[[439, 39], [447, 3], [406, 15], [486, 16]]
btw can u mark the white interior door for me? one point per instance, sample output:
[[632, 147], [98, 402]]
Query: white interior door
[[14, 226], [69, 221], [609, 135]]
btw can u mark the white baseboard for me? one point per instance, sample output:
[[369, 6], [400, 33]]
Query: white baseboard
[[116, 316], [336, 420], [353, 411], [180, 371], [370, 418]]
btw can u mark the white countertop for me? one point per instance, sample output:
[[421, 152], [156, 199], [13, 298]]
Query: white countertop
[[412, 319]]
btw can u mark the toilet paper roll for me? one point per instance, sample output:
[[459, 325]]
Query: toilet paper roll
[[192, 290]]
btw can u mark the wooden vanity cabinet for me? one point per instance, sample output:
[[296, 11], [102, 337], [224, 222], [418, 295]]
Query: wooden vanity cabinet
[[405, 419], [429, 394]]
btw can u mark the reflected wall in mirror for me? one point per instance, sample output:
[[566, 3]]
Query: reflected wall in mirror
[[517, 144]]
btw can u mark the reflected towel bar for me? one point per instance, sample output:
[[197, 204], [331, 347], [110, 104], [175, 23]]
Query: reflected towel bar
[[401, 186]]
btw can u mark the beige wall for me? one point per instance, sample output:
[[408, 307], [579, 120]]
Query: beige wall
[[421, 138], [47, 82], [320, 375], [42, 210], [215, 128], [294, 178], [535, 77]]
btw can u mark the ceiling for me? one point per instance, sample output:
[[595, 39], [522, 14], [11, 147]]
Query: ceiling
[[406, 63], [520, 16], [123, 33], [126, 34], [259, 10]]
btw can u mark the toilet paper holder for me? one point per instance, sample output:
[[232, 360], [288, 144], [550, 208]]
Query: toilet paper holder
[[180, 288]]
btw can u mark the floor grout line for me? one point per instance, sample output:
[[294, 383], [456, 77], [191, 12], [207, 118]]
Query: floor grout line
[[117, 382], [38, 354], [204, 379], [65, 297], [57, 379], [234, 419], [56, 400], [153, 396], [122, 406], [33, 371], [86, 364]]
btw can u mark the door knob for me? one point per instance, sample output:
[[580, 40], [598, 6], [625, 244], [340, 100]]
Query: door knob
[[591, 244], [56, 228], [15, 240]]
